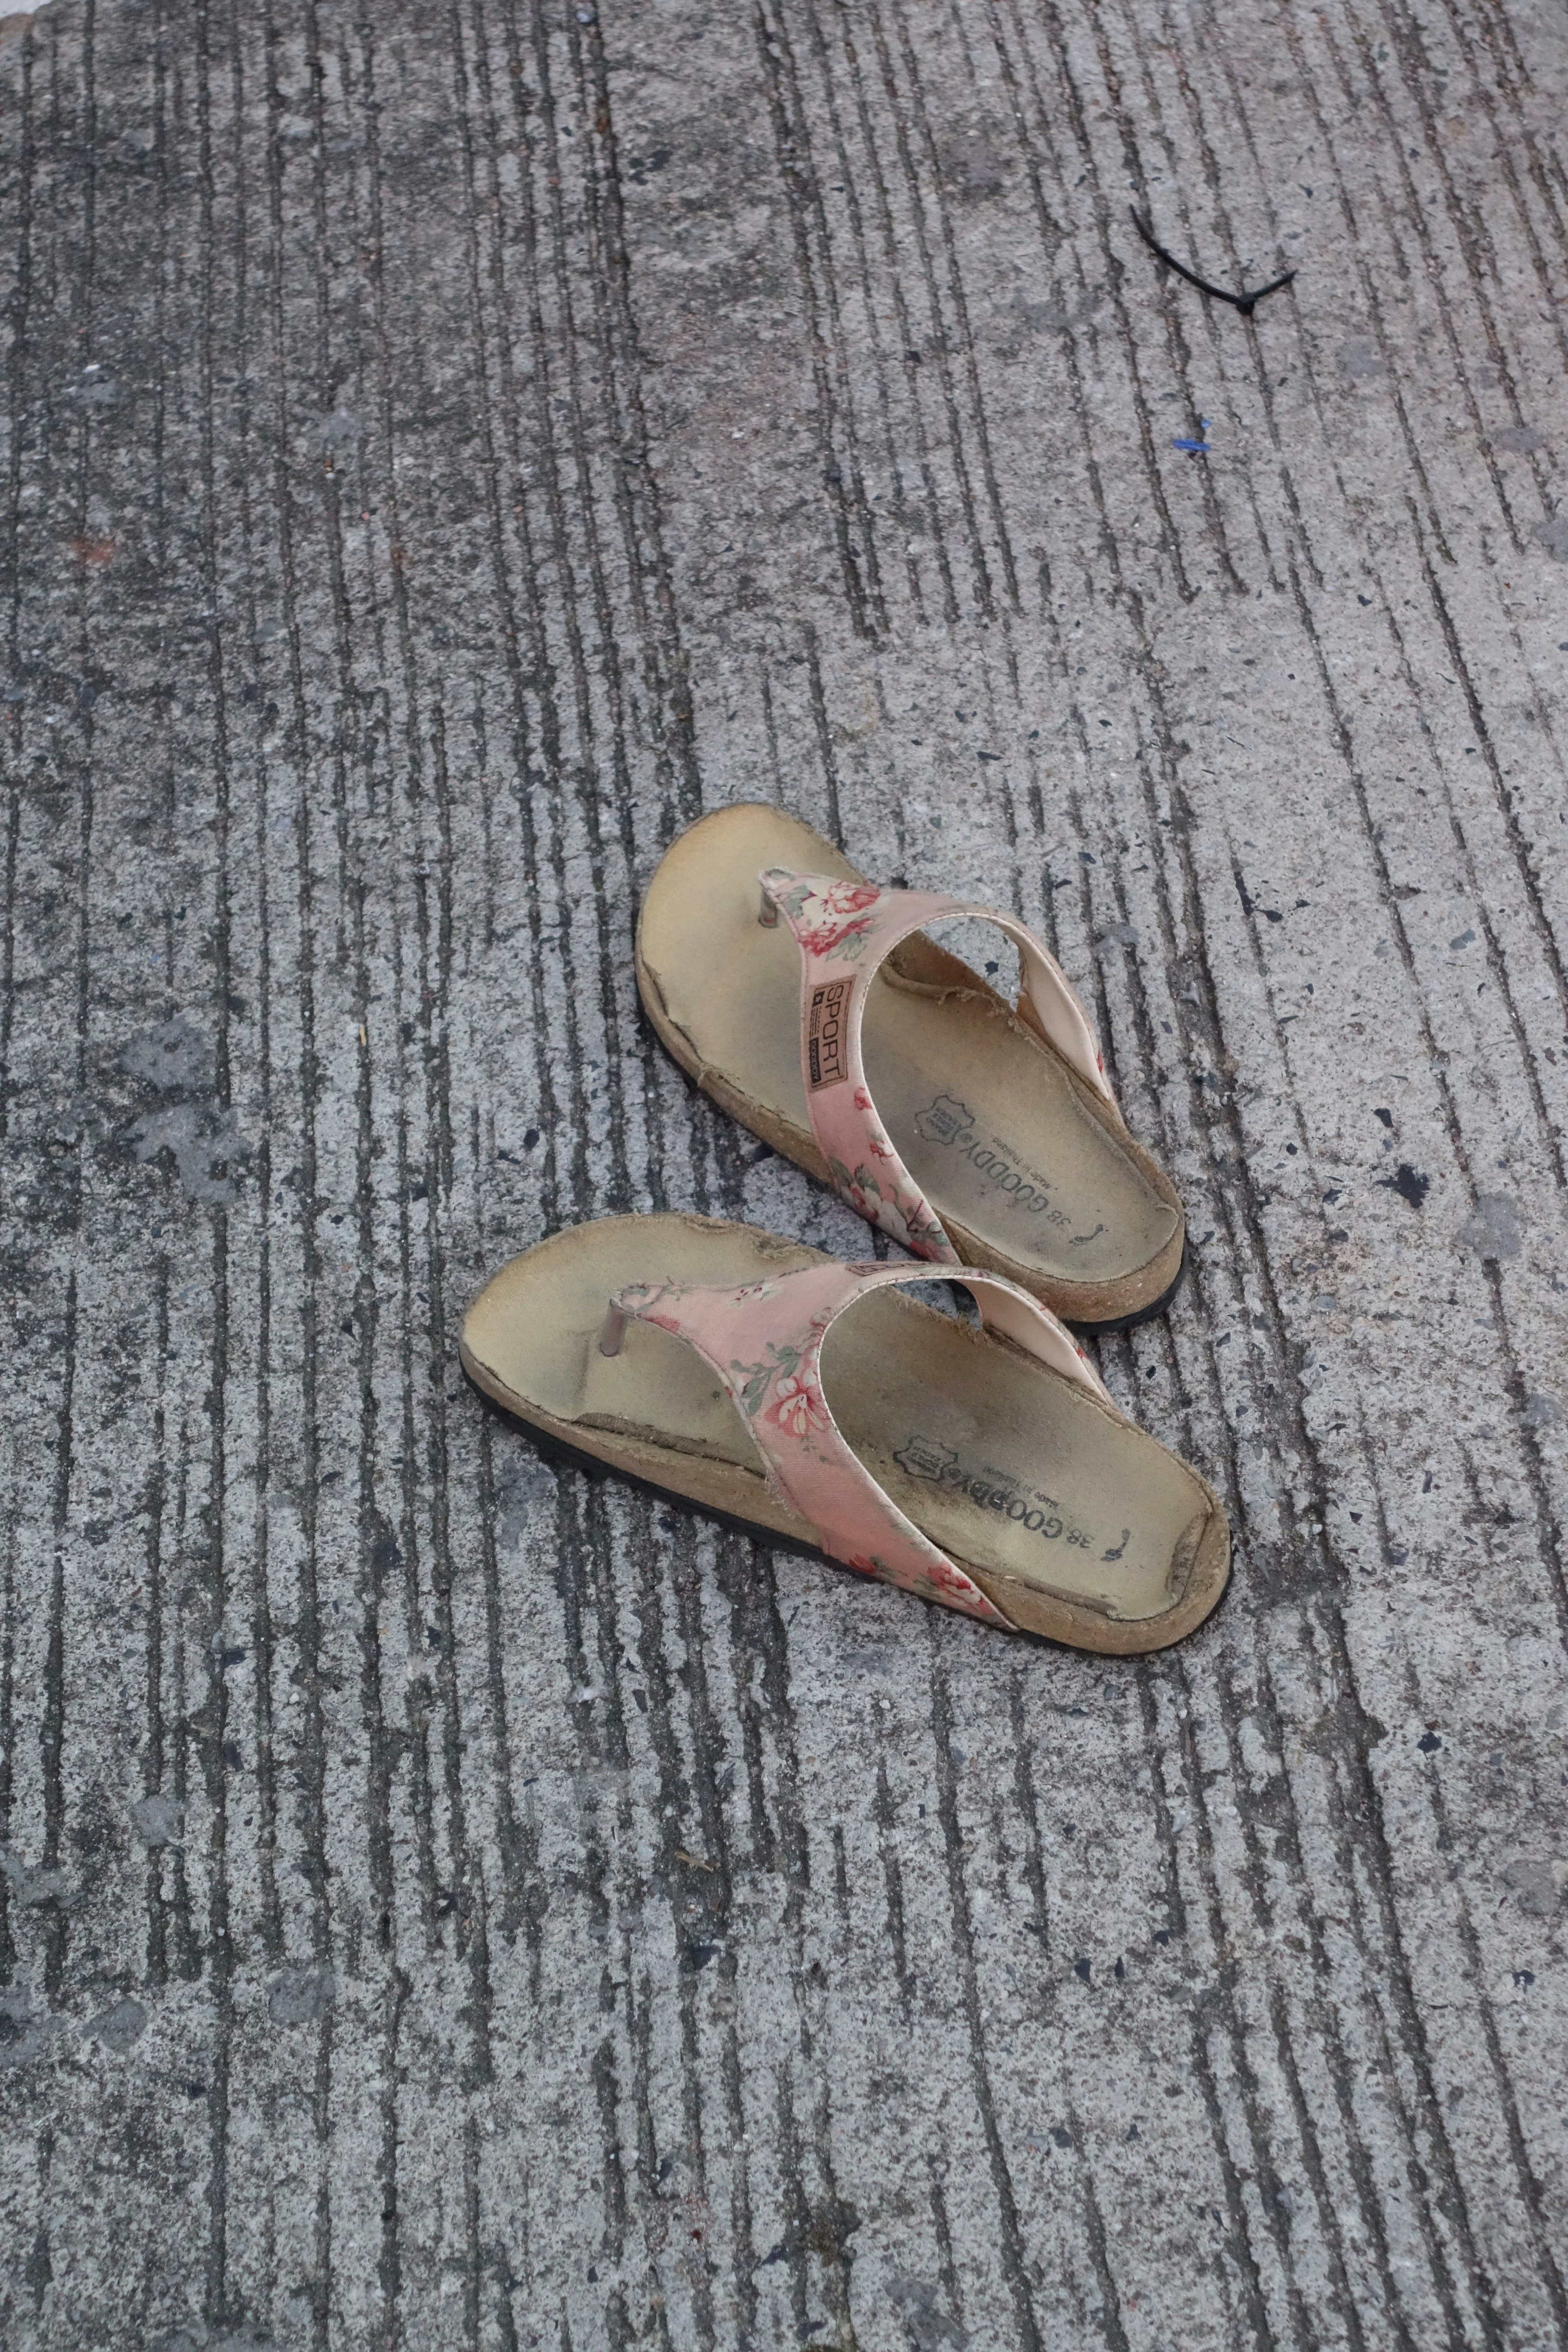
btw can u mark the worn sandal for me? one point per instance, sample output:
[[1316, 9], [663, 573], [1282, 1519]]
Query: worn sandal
[[984, 1467], [974, 1132]]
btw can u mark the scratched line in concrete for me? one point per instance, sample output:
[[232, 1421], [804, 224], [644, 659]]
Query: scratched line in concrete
[[445, 1903]]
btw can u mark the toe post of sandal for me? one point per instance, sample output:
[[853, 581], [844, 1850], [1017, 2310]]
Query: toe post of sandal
[[613, 1330]]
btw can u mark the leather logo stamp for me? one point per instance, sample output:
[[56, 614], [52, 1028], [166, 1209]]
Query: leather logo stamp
[[827, 1035]]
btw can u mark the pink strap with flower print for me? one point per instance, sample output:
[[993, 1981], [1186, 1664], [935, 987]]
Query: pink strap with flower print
[[844, 931], [764, 1341]]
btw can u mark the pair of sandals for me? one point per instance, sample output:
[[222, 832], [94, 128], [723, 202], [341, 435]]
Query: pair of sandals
[[979, 1463]]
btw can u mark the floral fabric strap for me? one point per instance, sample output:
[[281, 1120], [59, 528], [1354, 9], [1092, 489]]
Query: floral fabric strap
[[844, 931], [764, 1341]]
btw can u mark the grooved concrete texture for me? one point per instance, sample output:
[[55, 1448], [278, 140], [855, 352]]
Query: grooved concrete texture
[[447, 1905]]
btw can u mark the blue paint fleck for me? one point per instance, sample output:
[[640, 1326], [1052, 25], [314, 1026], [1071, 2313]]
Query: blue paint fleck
[[1198, 449]]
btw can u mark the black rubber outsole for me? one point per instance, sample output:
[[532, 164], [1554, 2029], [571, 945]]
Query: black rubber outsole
[[1144, 1314]]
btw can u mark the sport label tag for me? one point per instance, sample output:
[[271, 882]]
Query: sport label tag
[[825, 1034]]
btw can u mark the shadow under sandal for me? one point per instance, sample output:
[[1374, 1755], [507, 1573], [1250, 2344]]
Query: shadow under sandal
[[983, 1466], [812, 1006]]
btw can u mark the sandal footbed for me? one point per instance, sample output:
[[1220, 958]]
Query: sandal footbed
[[1032, 1171], [1076, 1524]]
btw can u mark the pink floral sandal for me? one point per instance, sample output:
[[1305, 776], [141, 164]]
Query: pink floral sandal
[[811, 1004], [981, 1465]]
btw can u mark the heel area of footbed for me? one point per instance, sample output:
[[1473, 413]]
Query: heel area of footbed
[[1001, 1137], [1202, 1571]]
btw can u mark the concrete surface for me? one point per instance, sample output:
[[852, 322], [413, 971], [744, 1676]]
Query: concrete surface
[[443, 1904]]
